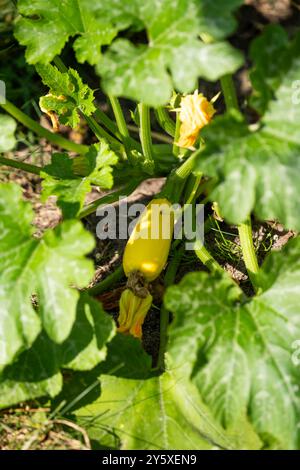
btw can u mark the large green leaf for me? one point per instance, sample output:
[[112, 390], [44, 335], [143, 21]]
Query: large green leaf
[[62, 180], [53, 22], [283, 114], [36, 371], [174, 55], [7, 136], [275, 78], [46, 267], [68, 95], [253, 171], [138, 410], [142, 72], [258, 170], [239, 352]]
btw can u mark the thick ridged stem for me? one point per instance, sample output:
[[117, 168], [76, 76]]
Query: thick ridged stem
[[165, 121], [119, 116], [176, 148], [145, 136], [206, 258], [229, 92], [245, 229]]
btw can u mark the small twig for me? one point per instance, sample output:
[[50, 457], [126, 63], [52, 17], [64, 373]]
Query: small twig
[[77, 428]]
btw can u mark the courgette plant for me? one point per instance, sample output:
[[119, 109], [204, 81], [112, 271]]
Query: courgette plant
[[225, 376]]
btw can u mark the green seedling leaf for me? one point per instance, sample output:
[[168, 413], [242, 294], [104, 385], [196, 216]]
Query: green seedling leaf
[[7, 133], [36, 372], [68, 95], [71, 179], [240, 351], [46, 267], [55, 22]]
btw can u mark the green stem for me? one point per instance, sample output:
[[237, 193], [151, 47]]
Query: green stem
[[165, 121], [101, 133], [184, 170], [206, 258], [107, 283], [230, 97], [245, 230], [113, 128], [164, 313], [118, 113], [107, 122], [21, 165], [176, 148], [60, 65], [249, 255], [41, 131], [155, 135], [189, 198], [175, 182], [192, 191], [109, 198], [145, 136]]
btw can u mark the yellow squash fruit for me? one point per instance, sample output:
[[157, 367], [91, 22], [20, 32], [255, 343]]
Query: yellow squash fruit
[[145, 256], [148, 247]]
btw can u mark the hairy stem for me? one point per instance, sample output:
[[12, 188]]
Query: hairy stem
[[145, 136]]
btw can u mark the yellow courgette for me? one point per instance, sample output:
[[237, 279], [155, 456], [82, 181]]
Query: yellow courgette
[[148, 246], [145, 256]]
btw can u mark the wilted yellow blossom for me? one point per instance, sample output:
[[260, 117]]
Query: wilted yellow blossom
[[195, 112], [51, 114], [133, 310]]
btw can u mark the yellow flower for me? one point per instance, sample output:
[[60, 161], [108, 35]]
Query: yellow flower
[[133, 311], [195, 112]]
